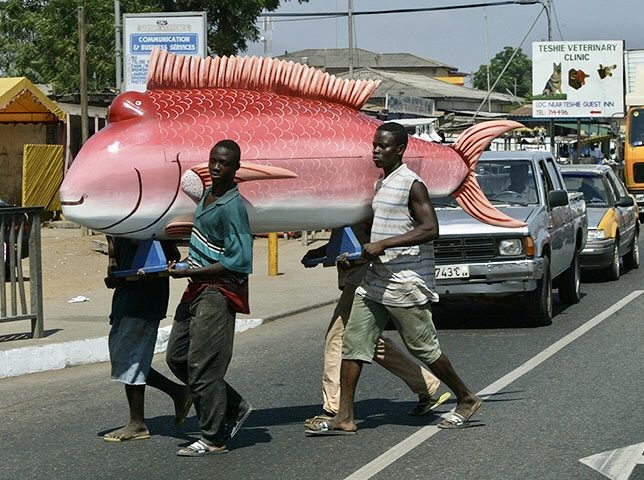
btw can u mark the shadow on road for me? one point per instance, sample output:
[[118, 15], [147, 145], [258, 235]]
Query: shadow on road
[[487, 315]]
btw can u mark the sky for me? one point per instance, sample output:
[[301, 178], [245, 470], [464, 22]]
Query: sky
[[454, 37]]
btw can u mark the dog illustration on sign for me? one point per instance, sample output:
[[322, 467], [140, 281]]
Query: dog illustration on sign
[[553, 85]]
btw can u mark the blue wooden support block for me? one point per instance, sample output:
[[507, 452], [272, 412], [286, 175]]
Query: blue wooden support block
[[149, 257], [342, 241]]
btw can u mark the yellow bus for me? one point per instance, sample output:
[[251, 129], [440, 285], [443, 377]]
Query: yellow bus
[[634, 154]]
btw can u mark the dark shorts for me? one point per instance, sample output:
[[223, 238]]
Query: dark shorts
[[131, 343]]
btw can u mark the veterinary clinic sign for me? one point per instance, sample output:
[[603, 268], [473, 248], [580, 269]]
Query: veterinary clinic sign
[[182, 33], [578, 79]]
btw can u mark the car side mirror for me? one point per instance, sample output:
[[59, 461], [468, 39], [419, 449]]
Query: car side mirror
[[557, 198], [625, 202]]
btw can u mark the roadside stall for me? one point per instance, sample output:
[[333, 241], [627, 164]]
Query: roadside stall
[[31, 162]]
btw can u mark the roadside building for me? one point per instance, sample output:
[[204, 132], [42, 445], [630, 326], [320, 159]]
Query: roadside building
[[447, 97], [32, 132], [337, 60]]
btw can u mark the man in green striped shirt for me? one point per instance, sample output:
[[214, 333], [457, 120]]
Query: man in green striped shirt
[[201, 342]]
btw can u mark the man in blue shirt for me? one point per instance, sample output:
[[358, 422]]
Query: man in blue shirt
[[201, 342]]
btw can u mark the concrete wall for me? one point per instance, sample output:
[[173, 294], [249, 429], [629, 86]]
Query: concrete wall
[[12, 138]]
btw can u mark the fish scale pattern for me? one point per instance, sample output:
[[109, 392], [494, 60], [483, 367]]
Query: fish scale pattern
[[326, 144]]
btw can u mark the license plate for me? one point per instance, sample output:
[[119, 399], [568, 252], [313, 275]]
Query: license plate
[[452, 271]]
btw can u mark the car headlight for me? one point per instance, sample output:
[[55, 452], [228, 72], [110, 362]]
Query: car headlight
[[596, 234], [639, 197], [511, 247]]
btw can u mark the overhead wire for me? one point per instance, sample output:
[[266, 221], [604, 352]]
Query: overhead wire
[[507, 65]]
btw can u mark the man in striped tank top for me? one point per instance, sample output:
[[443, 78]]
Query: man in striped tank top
[[399, 284]]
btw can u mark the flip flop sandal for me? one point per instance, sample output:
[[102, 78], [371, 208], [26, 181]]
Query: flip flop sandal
[[316, 419], [126, 437], [423, 408], [199, 449], [325, 428], [456, 420]]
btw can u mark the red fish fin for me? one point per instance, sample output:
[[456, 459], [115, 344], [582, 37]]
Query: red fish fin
[[471, 199], [197, 179], [168, 70], [248, 172], [178, 230], [473, 141], [469, 145]]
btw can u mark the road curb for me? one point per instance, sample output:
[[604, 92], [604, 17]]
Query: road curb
[[56, 356]]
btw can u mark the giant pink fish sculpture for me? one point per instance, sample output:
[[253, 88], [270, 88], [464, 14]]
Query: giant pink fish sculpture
[[306, 150]]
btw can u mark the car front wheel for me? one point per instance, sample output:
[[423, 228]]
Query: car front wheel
[[632, 258], [539, 301], [612, 271], [569, 283]]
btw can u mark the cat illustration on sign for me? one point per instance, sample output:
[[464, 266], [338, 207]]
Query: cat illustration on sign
[[606, 71], [577, 78], [553, 85]]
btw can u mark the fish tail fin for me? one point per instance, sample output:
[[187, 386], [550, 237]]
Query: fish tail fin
[[469, 145]]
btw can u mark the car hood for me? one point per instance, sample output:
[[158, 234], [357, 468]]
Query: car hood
[[454, 221], [595, 215]]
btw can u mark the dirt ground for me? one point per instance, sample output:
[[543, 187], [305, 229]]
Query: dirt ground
[[69, 264]]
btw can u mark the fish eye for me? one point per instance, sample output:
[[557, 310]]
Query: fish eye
[[128, 105]]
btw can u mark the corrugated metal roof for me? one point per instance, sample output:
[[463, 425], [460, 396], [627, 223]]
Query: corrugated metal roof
[[401, 83], [22, 101], [339, 58]]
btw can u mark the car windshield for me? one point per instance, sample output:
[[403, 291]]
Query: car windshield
[[592, 187], [502, 182], [507, 181]]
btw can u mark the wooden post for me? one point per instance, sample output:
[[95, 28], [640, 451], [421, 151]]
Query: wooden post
[[272, 254], [82, 56], [35, 277]]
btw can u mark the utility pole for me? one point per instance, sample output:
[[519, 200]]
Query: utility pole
[[350, 17], [267, 26], [487, 58], [547, 5], [82, 50], [118, 52]]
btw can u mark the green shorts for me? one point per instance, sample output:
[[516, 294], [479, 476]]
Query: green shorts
[[368, 318]]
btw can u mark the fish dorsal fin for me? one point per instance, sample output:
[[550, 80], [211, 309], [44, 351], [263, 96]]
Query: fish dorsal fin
[[168, 70]]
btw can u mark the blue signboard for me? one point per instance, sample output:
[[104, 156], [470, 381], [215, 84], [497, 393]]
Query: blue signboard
[[181, 43]]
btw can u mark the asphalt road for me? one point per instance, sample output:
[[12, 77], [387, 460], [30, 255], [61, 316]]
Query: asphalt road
[[554, 394]]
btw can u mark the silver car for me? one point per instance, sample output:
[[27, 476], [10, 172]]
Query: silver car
[[613, 219]]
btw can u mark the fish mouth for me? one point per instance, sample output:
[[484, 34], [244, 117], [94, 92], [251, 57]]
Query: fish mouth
[[75, 202]]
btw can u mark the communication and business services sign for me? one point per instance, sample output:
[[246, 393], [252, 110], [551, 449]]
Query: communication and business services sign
[[578, 79], [182, 33]]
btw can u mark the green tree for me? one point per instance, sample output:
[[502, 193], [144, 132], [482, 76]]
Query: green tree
[[517, 78], [39, 39]]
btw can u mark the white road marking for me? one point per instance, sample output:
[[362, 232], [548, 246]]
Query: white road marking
[[411, 442], [616, 464]]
